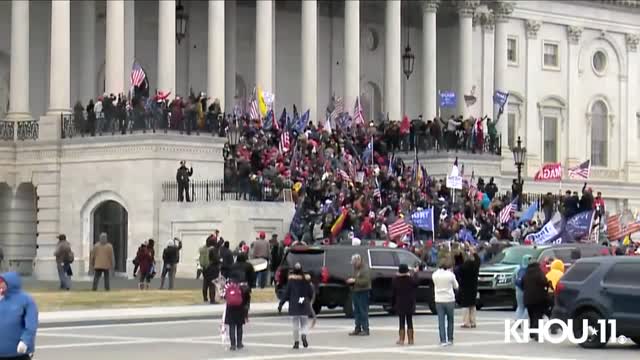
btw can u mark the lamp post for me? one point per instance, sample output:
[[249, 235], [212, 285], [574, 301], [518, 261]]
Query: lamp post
[[233, 138], [182, 18], [408, 58], [519, 154]]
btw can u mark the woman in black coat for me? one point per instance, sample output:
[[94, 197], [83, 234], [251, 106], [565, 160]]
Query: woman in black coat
[[469, 287], [404, 301], [535, 285], [299, 293]]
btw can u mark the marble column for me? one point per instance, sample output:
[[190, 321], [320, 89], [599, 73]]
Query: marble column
[[114, 52], [60, 61], [501, 12], [167, 46], [533, 135], [429, 61], [393, 60], [465, 52], [573, 154], [264, 45], [487, 23], [88, 85], [216, 50], [351, 53], [230, 56], [310, 58], [633, 63], [19, 84], [129, 41]]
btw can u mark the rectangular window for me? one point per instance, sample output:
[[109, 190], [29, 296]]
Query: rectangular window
[[511, 130], [550, 136], [551, 58], [580, 271], [623, 274], [512, 50], [381, 258]]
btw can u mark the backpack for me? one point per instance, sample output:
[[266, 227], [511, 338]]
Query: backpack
[[204, 257], [70, 257], [233, 294]]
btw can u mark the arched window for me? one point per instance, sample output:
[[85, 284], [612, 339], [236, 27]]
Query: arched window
[[599, 142], [371, 102]]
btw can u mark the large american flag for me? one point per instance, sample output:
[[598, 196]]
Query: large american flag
[[338, 108], [358, 114], [285, 142], [617, 231], [254, 113], [399, 228], [137, 74], [581, 171], [505, 214]]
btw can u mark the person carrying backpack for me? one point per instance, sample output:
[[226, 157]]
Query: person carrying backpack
[[235, 313]]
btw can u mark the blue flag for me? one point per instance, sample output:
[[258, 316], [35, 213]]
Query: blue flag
[[302, 123], [500, 98], [578, 226], [465, 235], [268, 120], [297, 225], [447, 99], [550, 233], [423, 219], [529, 213], [283, 119]]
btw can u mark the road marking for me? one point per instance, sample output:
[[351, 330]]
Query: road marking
[[479, 356]]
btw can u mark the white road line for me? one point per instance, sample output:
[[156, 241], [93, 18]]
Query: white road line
[[297, 355], [95, 344], [479, 356], [136, 324]]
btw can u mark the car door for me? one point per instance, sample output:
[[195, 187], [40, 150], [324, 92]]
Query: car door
[[621, 287], [425, 287], [382, 265]]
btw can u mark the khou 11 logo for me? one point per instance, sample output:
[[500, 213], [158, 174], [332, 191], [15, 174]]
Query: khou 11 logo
[[544, 331]]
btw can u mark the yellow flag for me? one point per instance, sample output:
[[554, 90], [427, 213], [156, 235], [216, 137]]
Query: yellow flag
[[261, 104]]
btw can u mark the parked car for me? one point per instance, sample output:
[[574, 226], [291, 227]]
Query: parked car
[[330, 267], [601, 288], [496, 281]]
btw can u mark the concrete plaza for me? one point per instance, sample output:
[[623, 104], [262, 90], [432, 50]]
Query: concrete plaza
[[270, 338]]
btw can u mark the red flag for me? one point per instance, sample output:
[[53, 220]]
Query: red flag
[[549, 172]]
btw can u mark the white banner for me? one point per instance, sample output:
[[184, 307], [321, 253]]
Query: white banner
[[454, 182]]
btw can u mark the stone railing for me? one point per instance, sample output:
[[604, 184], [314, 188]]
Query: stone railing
[[7, 130], [20, 130]]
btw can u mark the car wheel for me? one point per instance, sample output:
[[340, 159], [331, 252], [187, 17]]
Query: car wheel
[[636, 339], [593, 341], [317, 307], [432, 308], [347, 307]]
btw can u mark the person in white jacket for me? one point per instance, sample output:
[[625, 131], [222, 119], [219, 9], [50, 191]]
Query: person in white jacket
[[445, 285]]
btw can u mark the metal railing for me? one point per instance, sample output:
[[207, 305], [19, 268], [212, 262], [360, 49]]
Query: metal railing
[[219, 190], [454, 142], [20, 130]]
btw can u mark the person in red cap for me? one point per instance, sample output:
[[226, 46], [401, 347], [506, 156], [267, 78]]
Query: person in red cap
[[260, 250]]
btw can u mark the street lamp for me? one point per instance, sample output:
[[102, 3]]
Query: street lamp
[[408, 59], [233, 138], [181, 22], [519, 154]]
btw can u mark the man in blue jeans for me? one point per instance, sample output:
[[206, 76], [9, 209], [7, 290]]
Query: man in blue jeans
[[445, 284], [361, 284]]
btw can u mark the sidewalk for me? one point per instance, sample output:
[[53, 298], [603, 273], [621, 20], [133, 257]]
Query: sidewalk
[[150, 314]]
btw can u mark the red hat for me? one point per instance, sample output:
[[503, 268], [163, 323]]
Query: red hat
[[262, 235]]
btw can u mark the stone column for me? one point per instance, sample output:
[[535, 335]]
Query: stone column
[[487, 23], [88, 86], [114, 53], [393, 60], [19, 84], [633, 62], [465, 53], [230, 56], [264, 45], [501, 12], [310, 58], [573, 153], [167, 46], [216, 50], [351, 53], [60, 62], [533, 135], [429, 61], [129, 41]]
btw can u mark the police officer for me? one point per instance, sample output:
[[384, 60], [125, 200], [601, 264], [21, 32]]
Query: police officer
[[182, 177]]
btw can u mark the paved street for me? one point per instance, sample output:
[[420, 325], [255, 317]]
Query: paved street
[[270, 338]]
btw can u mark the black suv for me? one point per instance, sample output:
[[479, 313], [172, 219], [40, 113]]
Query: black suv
[[601, 288], [330, 266], [496, 281]]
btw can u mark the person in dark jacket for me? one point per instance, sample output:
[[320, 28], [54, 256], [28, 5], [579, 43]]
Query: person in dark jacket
[[212, 272], [469, 287], [170, 257], [227, 259], [299, 293], [535, 286], [182, 178], [491, 189], [586, 201], [243, 273], [19, 320], [145, 260], [404, 289]]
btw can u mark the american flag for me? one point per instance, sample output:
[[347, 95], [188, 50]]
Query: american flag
[[254, 113], [617, 231], [581, 171], [399, 228], [285, 142], [358, 115], [505, 214], [338, 108], [137, 74], [343, 174]]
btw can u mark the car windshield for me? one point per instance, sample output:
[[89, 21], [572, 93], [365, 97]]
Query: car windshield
[[513, 255]]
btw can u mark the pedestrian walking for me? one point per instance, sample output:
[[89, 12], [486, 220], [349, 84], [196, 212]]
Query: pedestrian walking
[[19, 320], [360, 287], [102, 261], [299, 293], [469, 271], [260, 250], [64, 258], [170, 259], [405, 288], [238, 299], [226, 258], [145, 260], [209, 255], [521, 310], [536, 287], [445, 285]]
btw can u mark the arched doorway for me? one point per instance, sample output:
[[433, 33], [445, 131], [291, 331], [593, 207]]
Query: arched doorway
[[372, 102], [112, 218]]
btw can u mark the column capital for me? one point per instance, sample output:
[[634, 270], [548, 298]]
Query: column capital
[[430, 5], [486, 20], [466, 8], [632, 41], [574, 33], [502, 10], [532, 27]]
